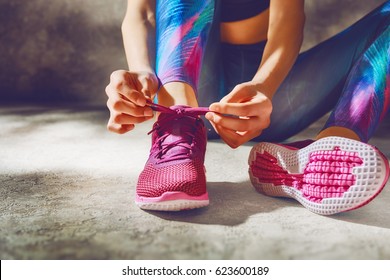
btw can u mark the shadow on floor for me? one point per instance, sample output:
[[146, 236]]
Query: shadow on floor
[[231, 204], [377, 216]]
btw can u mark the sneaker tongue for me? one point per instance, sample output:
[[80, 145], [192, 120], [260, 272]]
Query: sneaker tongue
[[180, 128], [176, 131]]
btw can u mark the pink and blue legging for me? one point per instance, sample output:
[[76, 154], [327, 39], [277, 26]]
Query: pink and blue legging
[[348, 74]]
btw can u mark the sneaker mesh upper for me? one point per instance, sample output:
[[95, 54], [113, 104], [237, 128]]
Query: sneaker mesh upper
[[176, 161]]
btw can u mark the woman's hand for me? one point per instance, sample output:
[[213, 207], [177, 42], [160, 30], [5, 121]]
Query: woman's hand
[[127, 94], [242, 114]]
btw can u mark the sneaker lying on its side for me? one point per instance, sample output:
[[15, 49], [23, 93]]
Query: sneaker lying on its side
[[174, 176], [328, 176]]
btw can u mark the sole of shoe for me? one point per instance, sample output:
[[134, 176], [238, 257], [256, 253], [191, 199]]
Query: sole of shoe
[[172, 201], [329, 176]]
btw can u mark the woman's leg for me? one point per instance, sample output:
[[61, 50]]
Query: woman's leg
[[182, 30], [366, 96], [331, 72]]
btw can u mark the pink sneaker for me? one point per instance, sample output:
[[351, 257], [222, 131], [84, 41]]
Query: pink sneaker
[[174, 175], [328, 176]]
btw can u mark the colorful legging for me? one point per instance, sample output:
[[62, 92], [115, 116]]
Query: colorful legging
[[348, 73]]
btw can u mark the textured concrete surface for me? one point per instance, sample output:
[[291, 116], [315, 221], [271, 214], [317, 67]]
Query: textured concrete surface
[[67, 192], [64, 50]]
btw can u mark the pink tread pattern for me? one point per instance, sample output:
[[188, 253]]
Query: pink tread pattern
[[329, 176], [328, 173]]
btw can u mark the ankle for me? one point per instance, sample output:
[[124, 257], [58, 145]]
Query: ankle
[[177, 93], [338, 131]]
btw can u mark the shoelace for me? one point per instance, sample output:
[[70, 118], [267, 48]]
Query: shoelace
[[185, 111], [187, 141]]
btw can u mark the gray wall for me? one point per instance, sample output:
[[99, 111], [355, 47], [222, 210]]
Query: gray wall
[[64, 50]]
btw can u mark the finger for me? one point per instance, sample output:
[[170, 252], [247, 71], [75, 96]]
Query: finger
[[239, 93], [124, 83], [238, 109], [236, 138], [147, 87], [127, 119], [146, 83], [120, 129], [228, 136], [132, 95], [118, 76], [125, 92], [247, 136], [119, 105], [222, 133], [236, 124]]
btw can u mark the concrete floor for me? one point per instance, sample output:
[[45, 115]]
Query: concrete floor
[[67, 192]]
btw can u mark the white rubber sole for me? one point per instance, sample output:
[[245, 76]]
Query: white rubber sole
[[370, 177], [172, 201]]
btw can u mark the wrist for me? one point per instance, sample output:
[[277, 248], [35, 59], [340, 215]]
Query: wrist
[[264, 88], [142, 69]]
